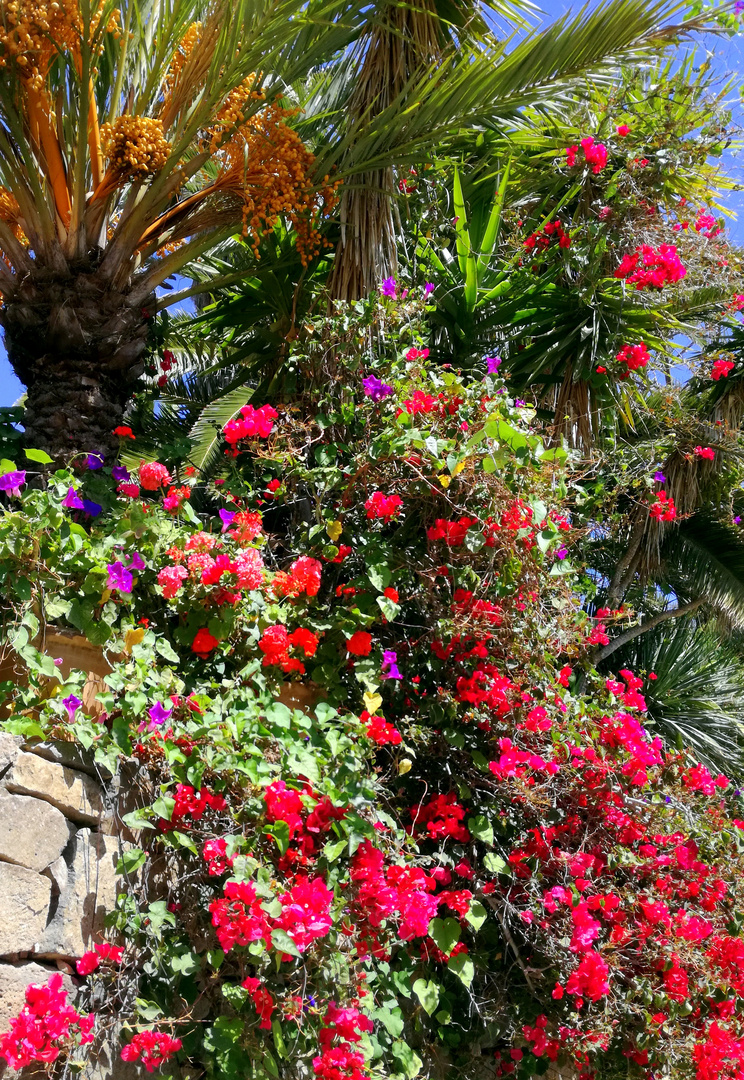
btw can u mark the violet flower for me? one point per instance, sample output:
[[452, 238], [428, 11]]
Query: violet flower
[[561, 553], [93, 509], [72, 500], [429, 288], [119, 577], [376, 389], [390, 661], [226, 517], [492, 364], [388, 288], [659, 477], [12, 481], [72, 704], [121, 474], [158, 715], [136, 562], [94, 461]]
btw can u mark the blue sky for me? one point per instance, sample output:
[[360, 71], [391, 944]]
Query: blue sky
[[727, 56]]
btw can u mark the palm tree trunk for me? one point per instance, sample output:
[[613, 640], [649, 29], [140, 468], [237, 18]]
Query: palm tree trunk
[[78, 347], [405, 38]]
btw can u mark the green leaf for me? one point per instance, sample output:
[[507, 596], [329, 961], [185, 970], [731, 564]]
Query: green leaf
[[477, 914], [164, 648], [408, 1058], [495, 864], [445, 933], [392, 1021], [280, 831], [462, 966], [131, 861], [379, 576], [38, 455], [283, 943], [428, 994], [332, 851], [481, 828]]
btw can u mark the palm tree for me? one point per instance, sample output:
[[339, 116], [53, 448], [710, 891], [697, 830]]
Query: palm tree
[[129, 148]]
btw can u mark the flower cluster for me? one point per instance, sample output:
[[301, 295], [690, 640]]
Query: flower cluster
[[45, 1026], [651, 268], [595, 154]]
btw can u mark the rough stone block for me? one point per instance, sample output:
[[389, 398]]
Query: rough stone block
[[32, 833], [70, 754], [77, 795], [24, 906], [9, 748], [85, 898]]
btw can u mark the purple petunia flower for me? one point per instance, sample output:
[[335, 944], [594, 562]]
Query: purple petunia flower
[[12, 481], [737, 520], [492, 364], [119, 577], [659, 477], [561, 553], [121, 474], [376, 389], [390, 661], [93, 509], [72, 704], [226, 517], [388, 288], [94, 461], [429, 288], [136, 562], [158, 715]]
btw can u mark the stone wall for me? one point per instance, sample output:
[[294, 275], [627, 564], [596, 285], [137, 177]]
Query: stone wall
[[58, 856]]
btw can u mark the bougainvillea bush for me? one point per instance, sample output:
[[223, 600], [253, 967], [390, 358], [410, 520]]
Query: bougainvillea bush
[[387, 821]]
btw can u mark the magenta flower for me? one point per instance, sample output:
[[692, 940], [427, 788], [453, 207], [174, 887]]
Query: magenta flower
[[429, 288], [388, 288], [136, 562], [119, 578], [72, 500], [390, 661], [226, 517], [492, 364], [12, 482], [375, 388], [659, 477], [158, 715], [72, 704]]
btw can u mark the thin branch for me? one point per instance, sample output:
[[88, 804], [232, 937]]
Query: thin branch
[[642, 628]]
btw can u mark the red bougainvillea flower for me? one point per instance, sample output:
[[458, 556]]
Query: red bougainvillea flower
[[379, 731], [305, 912], [651, 268], [261, 998], [44, 1025], [153, 1047], [591, 977], [706, 452], [622, 130], [153, 475], [251, 423], [663, 509], [721, 369], [385, 507], [204, 642], [634, 356], [360, 643]]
